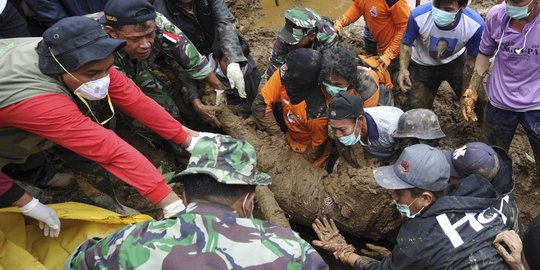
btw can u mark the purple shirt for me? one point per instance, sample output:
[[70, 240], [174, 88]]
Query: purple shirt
[[514, 83]]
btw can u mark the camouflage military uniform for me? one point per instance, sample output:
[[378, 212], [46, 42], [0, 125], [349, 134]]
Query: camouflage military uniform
[[304, 18], [205, 235], [176, 50]]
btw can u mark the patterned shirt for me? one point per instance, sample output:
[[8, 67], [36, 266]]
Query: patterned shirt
[[203, 236]]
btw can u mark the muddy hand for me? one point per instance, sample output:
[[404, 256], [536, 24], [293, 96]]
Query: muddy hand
[[208, 113], [404, 80], [512, 241], [329, 237], [375, 252], [467, 105], [338, 26]]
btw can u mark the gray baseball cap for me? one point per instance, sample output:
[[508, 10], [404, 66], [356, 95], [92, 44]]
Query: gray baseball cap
[[418, 166]]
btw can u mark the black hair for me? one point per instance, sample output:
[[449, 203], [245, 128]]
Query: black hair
[[218, 52], [339, 61], [460, 3], [205, 187], [418, 191]]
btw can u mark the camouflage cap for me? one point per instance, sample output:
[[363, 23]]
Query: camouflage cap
[[299, 22], [228, 160]]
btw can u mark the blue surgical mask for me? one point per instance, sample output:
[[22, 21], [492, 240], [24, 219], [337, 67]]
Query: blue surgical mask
[[219, 72], [518, 12], [442, 18], [405, 210], [333, 90], [350, 139]]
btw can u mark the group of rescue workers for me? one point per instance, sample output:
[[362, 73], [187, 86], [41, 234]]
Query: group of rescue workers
[[59, 93]]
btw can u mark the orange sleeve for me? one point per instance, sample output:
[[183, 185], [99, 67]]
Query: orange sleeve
[[271, 90], [352, 14], [372, 101], [319, 131], [400, 15]]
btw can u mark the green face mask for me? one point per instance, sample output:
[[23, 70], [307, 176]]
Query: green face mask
[[333, 90]]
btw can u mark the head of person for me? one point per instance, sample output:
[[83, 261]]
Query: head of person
[[446, 12], [473, 158], [300, 27], [418, 126], [417, 179], [134, 22], [442, 45], [531, 245], [338, 72], [522, 9], [223, 170], [346, 118], [77, 51], [300, 74], [222, 61]]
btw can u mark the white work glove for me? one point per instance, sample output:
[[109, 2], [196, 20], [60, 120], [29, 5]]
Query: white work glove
[[220, 97], [48, 220], [173, 209], [236, 79], [194, 139]]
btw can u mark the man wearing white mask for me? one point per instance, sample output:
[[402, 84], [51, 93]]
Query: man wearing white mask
[[47, 83], [445, 227], [511, 43], [442, 38], [358, 129]]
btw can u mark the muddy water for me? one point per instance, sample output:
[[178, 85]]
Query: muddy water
[[272, 16]]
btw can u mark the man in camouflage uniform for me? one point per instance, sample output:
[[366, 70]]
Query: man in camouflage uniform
[[151, 38], [304, 28], [215, 231]]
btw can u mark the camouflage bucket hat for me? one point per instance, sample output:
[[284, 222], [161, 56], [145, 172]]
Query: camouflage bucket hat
[[228, 160], [299, 22]]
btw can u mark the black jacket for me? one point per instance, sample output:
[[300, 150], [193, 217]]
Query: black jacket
[[503, 183], [456, 232], [211, 22]]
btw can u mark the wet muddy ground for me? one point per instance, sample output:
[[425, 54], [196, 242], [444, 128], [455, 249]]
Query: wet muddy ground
[[458, 132]]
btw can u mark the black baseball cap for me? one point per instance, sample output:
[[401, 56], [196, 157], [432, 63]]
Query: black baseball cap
[[74, 41], [345, 105], [125, 12]]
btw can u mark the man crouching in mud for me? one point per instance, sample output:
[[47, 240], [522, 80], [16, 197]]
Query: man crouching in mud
[[454, 231]]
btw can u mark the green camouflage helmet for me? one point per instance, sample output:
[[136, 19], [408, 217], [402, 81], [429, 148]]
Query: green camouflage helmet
[[228, 160], [299, 22]]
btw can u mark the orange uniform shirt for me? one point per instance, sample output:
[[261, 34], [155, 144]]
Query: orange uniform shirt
[[301, 130], [387, 24]]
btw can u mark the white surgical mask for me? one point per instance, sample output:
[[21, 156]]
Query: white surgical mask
[[94, 90], [405, 210], [442, 18]]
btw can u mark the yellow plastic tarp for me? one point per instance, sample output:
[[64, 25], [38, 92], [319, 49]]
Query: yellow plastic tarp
[[23, 246]]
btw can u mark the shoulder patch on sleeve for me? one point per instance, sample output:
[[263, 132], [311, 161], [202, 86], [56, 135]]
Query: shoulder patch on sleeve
[[174, 38]]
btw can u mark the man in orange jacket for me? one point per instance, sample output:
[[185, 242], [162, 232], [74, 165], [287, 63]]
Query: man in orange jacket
[[292, 97], [386, 19]]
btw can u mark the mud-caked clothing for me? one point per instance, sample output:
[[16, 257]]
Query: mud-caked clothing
[[204, 236], [38, 111], [386, 20], [208, 23], [306, 121], [512, 87], [382, 122], [326, 37], [438, 53], [456, 232]]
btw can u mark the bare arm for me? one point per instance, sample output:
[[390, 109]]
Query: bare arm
[[404, 80]]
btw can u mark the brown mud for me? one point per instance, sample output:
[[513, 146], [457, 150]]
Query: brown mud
[[338, 195], [350, 196]]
